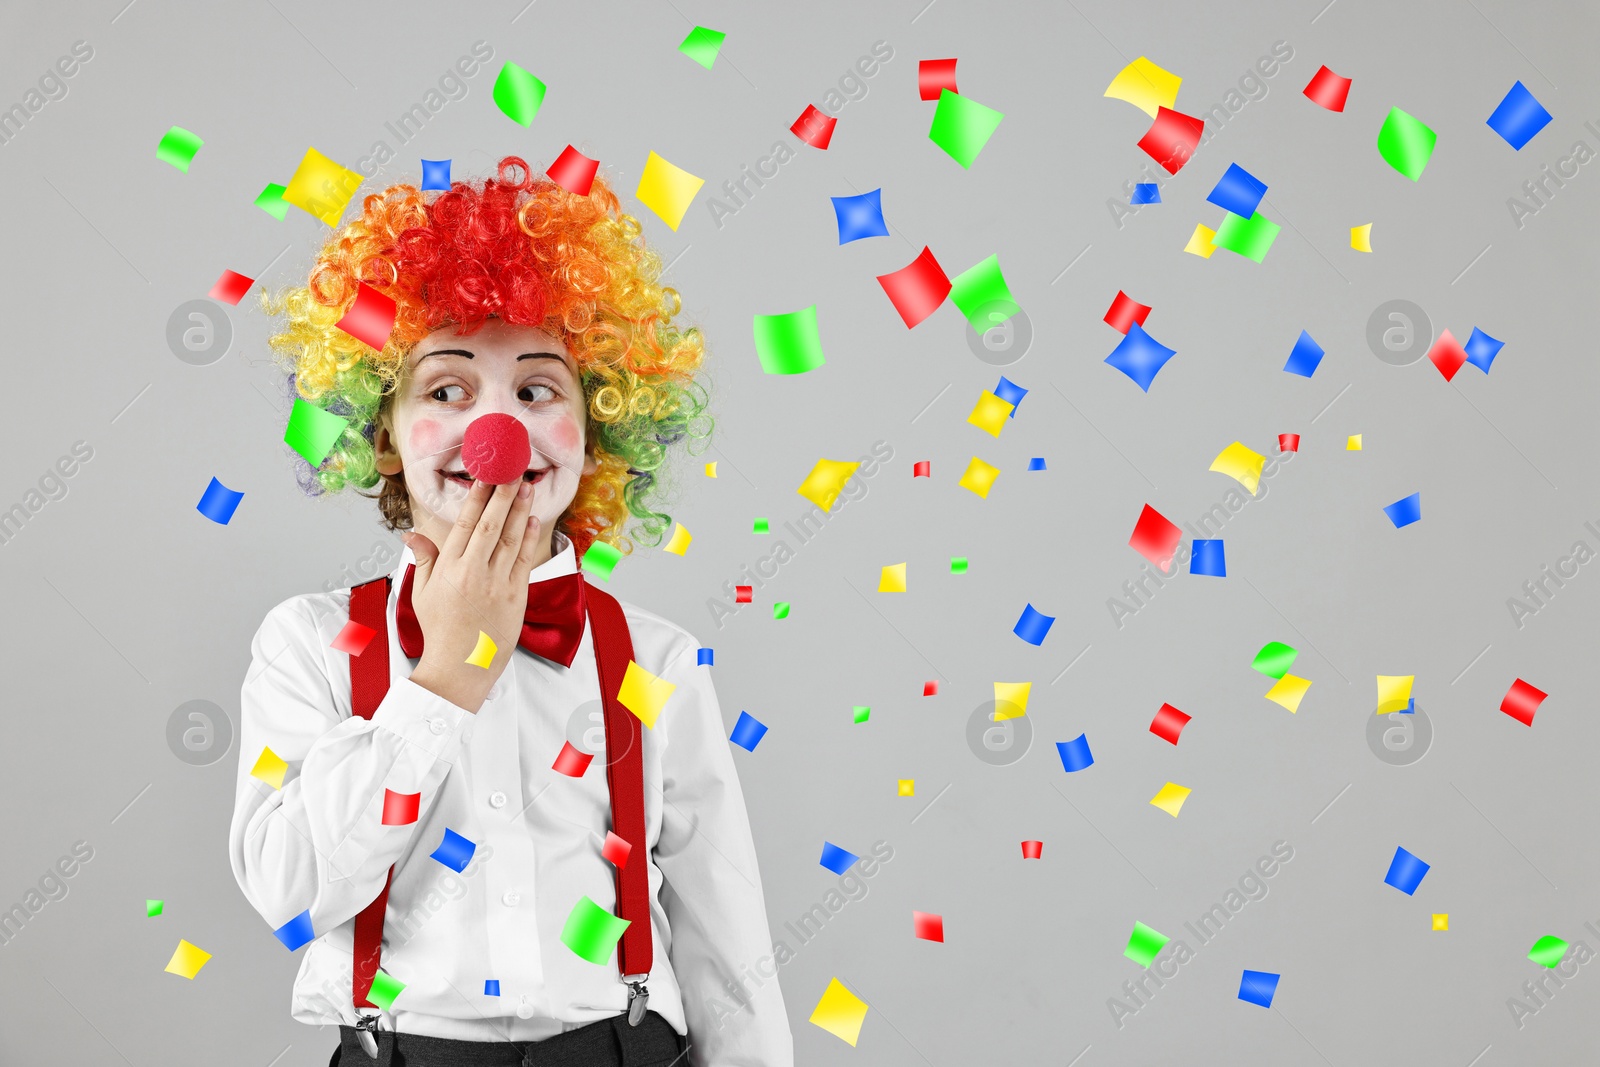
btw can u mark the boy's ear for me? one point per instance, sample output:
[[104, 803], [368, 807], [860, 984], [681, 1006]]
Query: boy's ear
[[386, 456]]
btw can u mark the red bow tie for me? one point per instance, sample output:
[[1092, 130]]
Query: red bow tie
[[552, 624]]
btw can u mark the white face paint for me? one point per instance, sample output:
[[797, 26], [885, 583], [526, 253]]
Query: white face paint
[[449, 381]]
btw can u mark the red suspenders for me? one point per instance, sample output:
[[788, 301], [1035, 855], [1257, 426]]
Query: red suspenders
[[369, 681]]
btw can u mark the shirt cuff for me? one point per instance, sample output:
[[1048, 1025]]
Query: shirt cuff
[[421, 717]]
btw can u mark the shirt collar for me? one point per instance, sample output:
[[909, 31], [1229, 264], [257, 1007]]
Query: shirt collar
[[564, 560]]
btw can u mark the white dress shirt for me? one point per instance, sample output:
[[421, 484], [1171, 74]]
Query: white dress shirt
[[318, 843]]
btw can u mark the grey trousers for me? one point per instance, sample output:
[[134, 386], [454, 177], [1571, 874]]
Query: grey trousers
[[603, 1043]]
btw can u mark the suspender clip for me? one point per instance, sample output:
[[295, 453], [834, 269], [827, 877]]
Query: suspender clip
[[367, 1030], [638, 997]]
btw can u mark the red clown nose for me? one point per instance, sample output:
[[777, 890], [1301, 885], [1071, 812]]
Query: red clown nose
[[495, 448]]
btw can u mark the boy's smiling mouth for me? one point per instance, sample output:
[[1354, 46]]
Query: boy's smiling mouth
[[462, 478]]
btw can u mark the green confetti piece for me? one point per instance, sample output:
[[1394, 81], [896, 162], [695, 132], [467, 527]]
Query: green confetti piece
[[788, 343], [1547, 951], [1249, 237], [152, 908], [601, 560], [761, 526], [591, 931], [1144, 944], [962, 126], [272, 202], [982, 295], [312, 431], [958, 564], [518, 94], [384, 989], [1406, 143], [780, 609], [702, 45], [1275, 659], [178, 147], [862, 711]]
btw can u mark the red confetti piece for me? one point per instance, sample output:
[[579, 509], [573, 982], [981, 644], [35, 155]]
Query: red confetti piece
[[814, 128], [917, 290], [921, 469], [370, 319], [1327, 89], [1155, 538], [935, 75], [1172, 139], [353, 639], [1447, 354], [1288, 442], [1169, 723], [571, 762], [1031, 849], [1125, 311], [400, 809], [1521, 701], [573, 171], [928, 927], [742, 593], [930, 689], [616, 850], [230, 288]]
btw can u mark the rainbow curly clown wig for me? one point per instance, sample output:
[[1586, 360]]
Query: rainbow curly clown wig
[[528, 252]]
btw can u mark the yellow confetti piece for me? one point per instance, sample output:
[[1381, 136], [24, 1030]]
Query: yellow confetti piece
[[711, 469], [892, 579], [827, 478], [907, 787], [667, 190], [1171, 798], [680, 540], [1361, 238], [1441, 922], [840, 1012], [483, 654], [270, 768], [1289, 691], [187, 960], [991, 413], [1146, 86], [1353, 443], [1011, 700], [979, 476], [1200, 242], [643, 693], [1394, 692], [321, 188], [1241, 464]]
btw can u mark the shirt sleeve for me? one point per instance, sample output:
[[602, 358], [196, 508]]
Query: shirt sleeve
[[712, 894], [318, 843]]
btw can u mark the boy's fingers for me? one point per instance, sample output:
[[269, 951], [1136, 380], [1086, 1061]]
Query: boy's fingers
[[511, 535], [426, 552], [522, 566], [471, 511], [486, 534]]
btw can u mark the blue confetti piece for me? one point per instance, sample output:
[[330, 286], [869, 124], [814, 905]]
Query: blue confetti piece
[[454, 851], [1011, 393], [1410, 708], [1036, 463], [1206, 558], [218, 503], [1519, 117], [1405, 511], [296, 932], [1146, 193], [1305, 358], [1481, 349], [703, 658], [1033, 626], [836, 859], [1140, 356], [1238, 191], [1258, 987], [748, 731], [436, 174], [860, 216], [491, 987], [1405, 871], [1075, 754]]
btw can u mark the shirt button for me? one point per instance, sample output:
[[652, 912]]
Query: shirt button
[[511, 899], [436, 725], [524, 1009], [497, 799], [494, 691]]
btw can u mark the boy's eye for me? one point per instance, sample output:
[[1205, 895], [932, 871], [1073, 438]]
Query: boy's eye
[[444, 396], [530, 394]]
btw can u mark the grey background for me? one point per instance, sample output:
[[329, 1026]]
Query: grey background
[[125, 603]]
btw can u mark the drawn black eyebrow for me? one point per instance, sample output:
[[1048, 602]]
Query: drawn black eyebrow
[[469, 355]]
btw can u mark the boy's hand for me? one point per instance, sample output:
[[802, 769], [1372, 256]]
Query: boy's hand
[[478, 580]]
